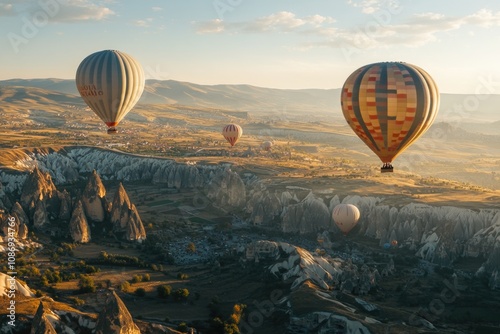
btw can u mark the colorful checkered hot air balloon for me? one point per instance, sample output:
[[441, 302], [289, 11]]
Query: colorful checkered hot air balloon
[[232, 132], [110, 82], [389, 105]]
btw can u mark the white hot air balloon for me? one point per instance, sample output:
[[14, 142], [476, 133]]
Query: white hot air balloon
[[345, 217], [266, 146], [110, 82]]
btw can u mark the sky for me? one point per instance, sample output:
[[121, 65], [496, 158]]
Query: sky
[[291, 44]]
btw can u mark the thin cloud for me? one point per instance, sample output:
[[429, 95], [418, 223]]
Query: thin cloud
[[59, 11], [82, 10], [417, 30], [157, 9], [143, 23], [372, 6], [6, 9], [210, 27], [284, 22]]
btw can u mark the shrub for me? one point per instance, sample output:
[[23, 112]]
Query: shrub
[[125, 287], [164, 291], [86, 284], [181, 294], [182, 276], [140, 292], [137, 279]]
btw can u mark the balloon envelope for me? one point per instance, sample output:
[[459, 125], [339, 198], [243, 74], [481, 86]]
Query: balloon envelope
[[389, 105], [345, 216], [232, 132], [267, 145], [110, 82]]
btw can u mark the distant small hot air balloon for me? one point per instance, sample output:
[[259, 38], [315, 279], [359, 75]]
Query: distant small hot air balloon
[[110, 82], [387, 245], [389, 106], [345, 216], [394, 243], [266, 146], [232, 132]]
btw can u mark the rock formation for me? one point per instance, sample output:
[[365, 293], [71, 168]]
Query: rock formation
[[20, 229], [227, 190], [460, 232], [65, 209], [21, 287], [179, 176], [291, 263], [263, 206], [94, 199], [120, 209], [19, 213], [310, 215], [115, 318], [78, 226], [125, 218], [20, 220], [37, 187], [40, 324], [40, 216], [135, 228]]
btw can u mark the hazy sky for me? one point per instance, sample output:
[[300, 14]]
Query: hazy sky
[[269, 43]]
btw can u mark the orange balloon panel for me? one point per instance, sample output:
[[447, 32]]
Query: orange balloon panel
[[232, 132], [389, 105]]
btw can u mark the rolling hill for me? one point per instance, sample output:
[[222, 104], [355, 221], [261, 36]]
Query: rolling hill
[[457, 108]]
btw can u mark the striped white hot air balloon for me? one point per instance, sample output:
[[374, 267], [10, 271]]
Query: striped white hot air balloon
[[266, 146], [232, 132], [110, 82], [345, 216]]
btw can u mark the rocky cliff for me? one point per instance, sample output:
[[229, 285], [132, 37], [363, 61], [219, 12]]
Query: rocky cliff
[[115, 318], [94, 199], [440, 234], [38, 187], [66, 205], [125, 218], [41, 324], [226, 189], [78, 225], [20, 220]]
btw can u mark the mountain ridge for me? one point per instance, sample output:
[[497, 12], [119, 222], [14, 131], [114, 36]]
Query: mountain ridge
[[245, 97]]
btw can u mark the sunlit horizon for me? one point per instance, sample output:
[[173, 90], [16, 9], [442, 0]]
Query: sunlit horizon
[[284, 44]]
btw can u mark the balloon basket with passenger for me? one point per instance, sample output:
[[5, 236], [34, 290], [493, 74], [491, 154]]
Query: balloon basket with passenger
[[112, 130], [387, 168]]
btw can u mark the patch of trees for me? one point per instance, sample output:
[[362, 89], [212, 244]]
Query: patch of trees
[[86, 284], [141, 278], [118, 260], [230, 325], [164, 291], [179, 295]]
